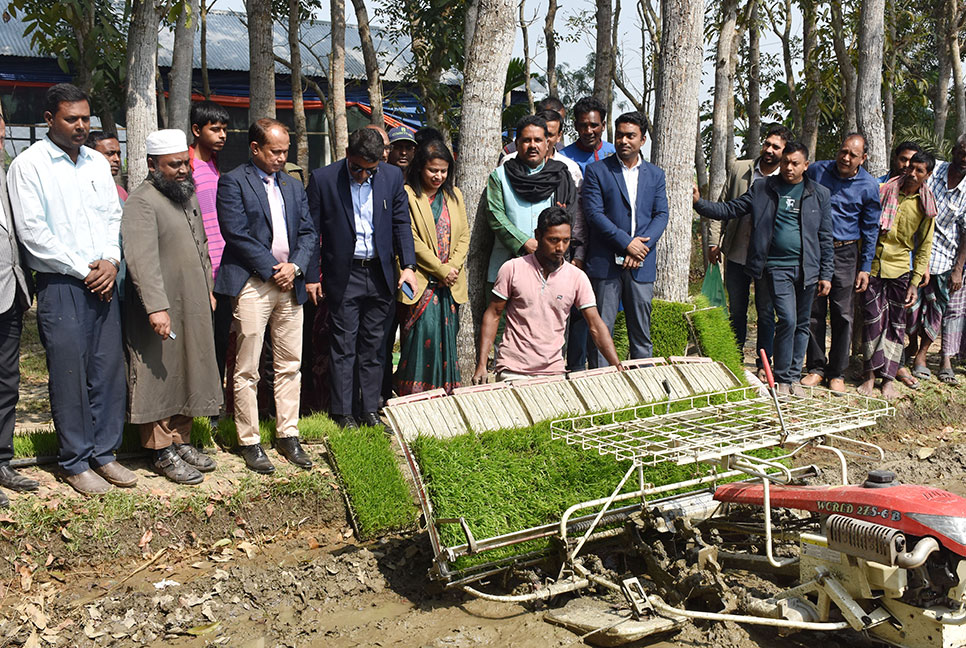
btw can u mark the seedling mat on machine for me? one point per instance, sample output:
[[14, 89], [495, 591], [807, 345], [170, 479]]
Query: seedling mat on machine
[[717, 428]]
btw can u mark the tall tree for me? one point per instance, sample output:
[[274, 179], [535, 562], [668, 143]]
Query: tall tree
[[525, 32], [891, 59], [869, 84], [487, 58], [550, 41], [843, 55], [142, 65], [204, 7], [604, 60], [955, 17], [675, 121], [753, 106], [373, 75], [813, 76], [340, 127], [261, 54], [784, 34], [182, 65], [298, 99], [724, 89]]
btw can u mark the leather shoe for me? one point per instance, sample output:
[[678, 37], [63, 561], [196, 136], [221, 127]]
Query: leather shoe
[[169, 463], [371, 419], [88, 483], [256, 459], [10, 478], [345, 421], [195, 457], [812, 379], [4, 500], [117, 474], [291, 449]]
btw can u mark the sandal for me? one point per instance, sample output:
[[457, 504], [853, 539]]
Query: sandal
[[907, 379], [948, 377], [922, 372]]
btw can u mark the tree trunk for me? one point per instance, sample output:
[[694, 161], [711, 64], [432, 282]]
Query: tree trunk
[[298, 100], [785, 35], [337, 78], [846, 69], [701, 173], [142, 107], [373, 76], [550, 39], [162, 108], [487, 58], [261, 59], [179, 77], [678, 83], [205, 86], [526, 55], [959, 91], [869, 86], [813, 77], [753, 108], [723, 90], [604, 61]]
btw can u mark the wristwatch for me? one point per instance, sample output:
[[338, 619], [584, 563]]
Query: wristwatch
[[114, 262], [410, 266], [298, 270]]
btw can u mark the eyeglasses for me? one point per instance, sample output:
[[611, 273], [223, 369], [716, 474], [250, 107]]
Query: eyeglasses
[[355, 169]]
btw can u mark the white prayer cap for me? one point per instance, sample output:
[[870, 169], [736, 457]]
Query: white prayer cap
[[169, 140]]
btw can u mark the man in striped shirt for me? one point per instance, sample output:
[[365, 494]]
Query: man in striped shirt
[[209, 126]]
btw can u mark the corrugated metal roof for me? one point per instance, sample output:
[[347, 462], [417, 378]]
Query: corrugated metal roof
[[228, 47]]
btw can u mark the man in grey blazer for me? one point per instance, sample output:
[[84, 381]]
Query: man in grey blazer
[[15, 297]]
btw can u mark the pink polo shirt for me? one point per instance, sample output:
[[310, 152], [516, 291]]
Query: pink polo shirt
[[206, 188], [536, 314]]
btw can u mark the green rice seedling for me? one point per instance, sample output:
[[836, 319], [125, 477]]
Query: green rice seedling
[[378, 494], [715, 337]]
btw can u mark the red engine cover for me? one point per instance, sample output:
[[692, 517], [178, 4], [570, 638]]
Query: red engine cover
[[914, 510]]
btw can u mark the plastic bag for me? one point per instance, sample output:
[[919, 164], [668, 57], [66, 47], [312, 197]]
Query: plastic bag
[[713, 286]]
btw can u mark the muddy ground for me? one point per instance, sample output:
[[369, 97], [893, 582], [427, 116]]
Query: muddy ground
[[284, 569]]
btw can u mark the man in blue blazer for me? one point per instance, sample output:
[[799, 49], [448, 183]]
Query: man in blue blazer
[[625, 204], [360, 209], [270, 248]]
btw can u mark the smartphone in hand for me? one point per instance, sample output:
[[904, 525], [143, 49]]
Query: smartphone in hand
[[407, 290]]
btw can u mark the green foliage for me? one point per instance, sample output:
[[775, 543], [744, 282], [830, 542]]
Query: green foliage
[[669, 329], [715, 337], [923, 135], [509, 480], [377, 491], [314, 427]]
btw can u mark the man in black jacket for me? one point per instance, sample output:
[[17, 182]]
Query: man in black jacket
[[790, 247]]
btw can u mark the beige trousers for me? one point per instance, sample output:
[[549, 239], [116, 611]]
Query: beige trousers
[[260, 304], [160, 434]]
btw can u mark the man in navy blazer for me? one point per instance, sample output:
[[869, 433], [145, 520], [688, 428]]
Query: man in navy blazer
[[360, 209], [270, 246], [625, 203]]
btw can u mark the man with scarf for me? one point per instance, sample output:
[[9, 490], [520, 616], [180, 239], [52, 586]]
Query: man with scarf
[[168, 332], [905, 229], [625, 203], [520, 189]]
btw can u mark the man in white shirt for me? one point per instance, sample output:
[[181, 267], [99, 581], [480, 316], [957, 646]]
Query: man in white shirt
[[68, 220]]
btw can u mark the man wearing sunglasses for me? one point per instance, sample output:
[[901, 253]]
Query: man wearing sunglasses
[[361, 212]]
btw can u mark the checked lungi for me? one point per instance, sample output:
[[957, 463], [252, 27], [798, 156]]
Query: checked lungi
[[954, 320], [926, 315], [884, 329]]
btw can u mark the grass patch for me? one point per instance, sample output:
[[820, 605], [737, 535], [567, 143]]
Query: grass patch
[[715, 337], [313, 428], [380, 497], [669, 330]]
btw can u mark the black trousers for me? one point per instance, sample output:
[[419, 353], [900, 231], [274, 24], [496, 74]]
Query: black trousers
[[359, 319], [838, 307], [11, 324], [221, 319]]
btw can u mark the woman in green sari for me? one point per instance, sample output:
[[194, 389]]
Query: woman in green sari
[[429, 320]]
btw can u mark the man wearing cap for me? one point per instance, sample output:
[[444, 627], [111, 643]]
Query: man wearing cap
[[402, 147], [172, 372], [68, 220]]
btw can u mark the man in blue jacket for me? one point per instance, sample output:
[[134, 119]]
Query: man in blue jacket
[[267, 271], [625, 203], [790, 247]]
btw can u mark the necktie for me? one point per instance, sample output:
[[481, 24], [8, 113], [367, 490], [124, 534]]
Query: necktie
[[279, 228]]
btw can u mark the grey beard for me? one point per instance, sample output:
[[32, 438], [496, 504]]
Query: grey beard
[[179, 192]]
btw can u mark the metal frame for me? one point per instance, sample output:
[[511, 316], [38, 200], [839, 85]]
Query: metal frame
[[717, 428]]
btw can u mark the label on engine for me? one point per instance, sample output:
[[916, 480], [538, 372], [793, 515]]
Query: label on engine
[[861, 510], [818, 548]]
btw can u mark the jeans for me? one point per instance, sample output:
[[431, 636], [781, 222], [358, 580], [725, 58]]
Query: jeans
[[792, 302], [738, 285]]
